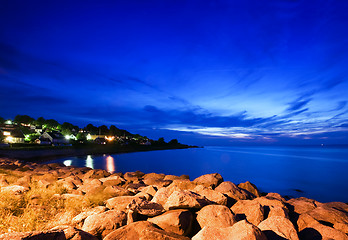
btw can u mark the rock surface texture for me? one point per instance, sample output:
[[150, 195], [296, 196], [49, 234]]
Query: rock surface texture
[[154, 206]]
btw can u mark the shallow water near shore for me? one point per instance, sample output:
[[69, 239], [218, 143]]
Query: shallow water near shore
[[320, 173]]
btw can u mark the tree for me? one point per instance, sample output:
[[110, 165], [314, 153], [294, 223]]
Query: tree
[[24, 119], [81, 137], [161, 140], [91, 129], [66, 131], [25, 130], [68, 128], [2, 120], [103, 130], [173, 141], [51, 123], [114, 131], [40, 121], [33, 136]]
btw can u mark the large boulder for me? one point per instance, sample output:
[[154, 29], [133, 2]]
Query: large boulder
[[272, 195], [75, 180], [68, 184], [121, 203], [96, 174], [114, 180], [148, 190], [215, 216], [156, 179], [343, 207], [264, 201], [185, 199], [144, 207], [242, 230], [276, 211], [211, 195], [278, 228], [250, 188], [230, 189], [209, 180], [142, 230], [80, 218], [37, 235], [133, 176], [178, 221], [182, 184], [173, 177], [163, 194], [102, 224], [249, 210], [91, 186], [157, 182], [330, 216], [302, 205], [320, 231], [72, 233], [116, 191]]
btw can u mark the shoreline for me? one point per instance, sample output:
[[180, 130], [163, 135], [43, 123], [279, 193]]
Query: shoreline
[[49, 153]]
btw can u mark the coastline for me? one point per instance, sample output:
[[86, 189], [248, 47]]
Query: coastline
[[50, 153]]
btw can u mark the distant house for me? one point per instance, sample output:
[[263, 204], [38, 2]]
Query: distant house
[[12, 135], [37, 129], [94, 137], [53, 138], [70, 137], [147, 143], [100, 140]]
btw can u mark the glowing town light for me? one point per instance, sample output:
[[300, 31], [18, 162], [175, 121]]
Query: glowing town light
[[67, 162], [110, 164], [89, 162], [8, 122], [9, 139], [110, 138], [7, 133], [67, 137], [89, 137]]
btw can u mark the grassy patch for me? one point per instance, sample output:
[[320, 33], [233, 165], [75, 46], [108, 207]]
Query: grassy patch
[[41, 208]]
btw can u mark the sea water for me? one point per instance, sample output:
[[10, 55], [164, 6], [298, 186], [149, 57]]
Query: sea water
[[320, 173]]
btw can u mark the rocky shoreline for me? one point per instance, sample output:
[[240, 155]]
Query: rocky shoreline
[[159, 206]]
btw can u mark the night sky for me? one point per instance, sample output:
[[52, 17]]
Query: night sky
[[205, 72]]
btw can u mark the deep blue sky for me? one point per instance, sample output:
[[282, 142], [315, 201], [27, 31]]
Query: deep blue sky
[[205, 72]]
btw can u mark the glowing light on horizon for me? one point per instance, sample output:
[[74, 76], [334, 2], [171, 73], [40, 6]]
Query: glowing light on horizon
[[90, 162], [110, 164]]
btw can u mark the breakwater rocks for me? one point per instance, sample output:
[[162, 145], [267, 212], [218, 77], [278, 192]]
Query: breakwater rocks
[[135, 205]]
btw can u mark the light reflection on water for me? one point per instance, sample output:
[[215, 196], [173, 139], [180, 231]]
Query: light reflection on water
[[107, 163], [110, 164], [90, 162], [67, 162]]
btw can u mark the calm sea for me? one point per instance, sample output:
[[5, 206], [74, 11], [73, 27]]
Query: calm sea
[[314, 172]]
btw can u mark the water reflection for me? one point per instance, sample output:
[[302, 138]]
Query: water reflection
[[67, 163], [90, 162], [110, 164]]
